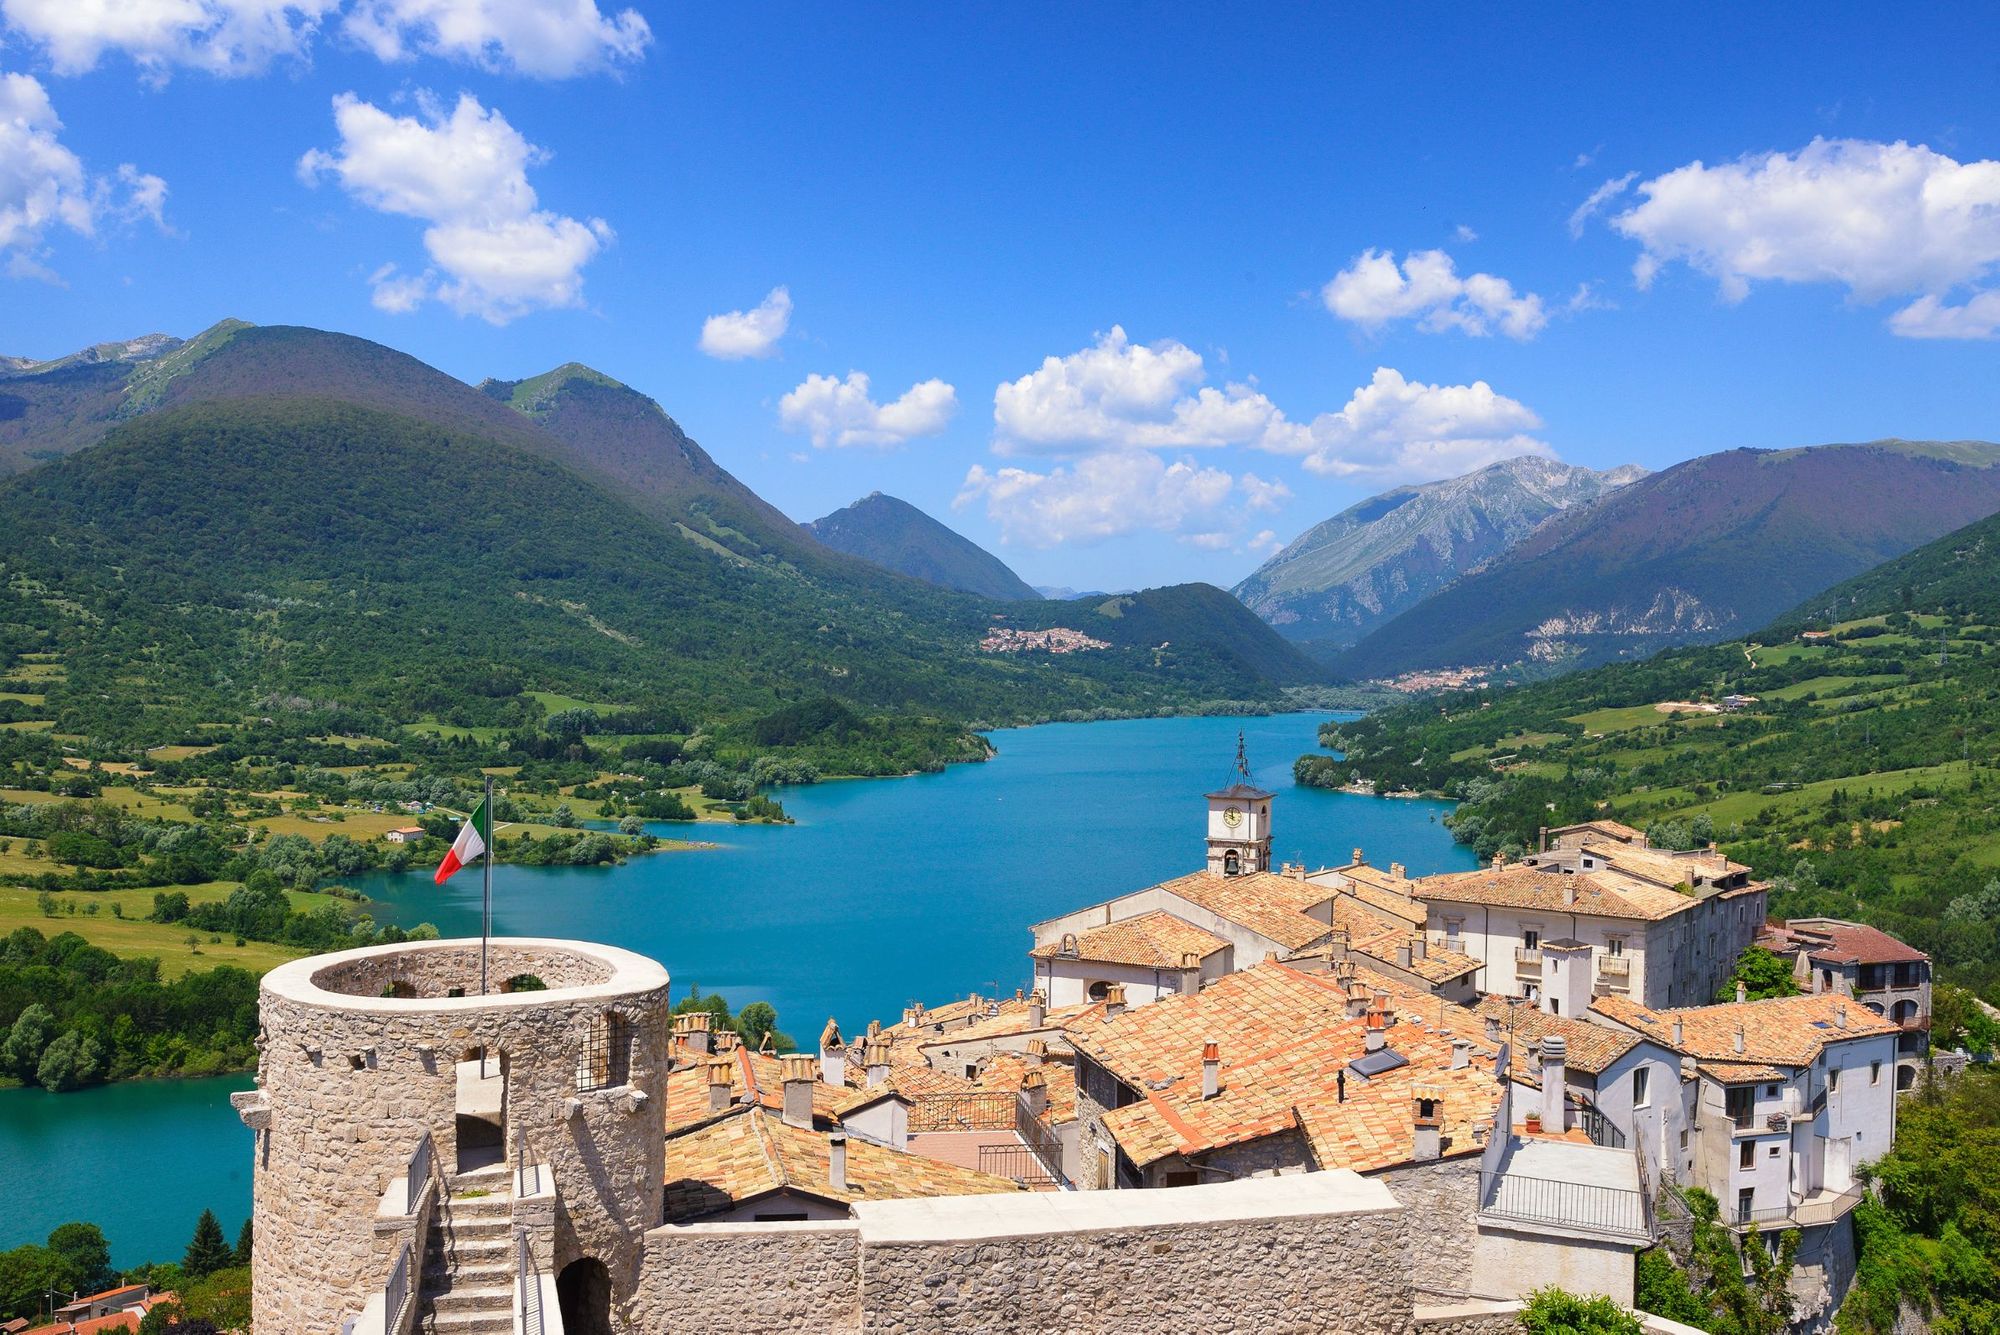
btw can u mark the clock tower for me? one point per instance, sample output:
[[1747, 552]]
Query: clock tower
[[1239, 823]]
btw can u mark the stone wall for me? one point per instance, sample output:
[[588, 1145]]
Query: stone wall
[[1441, 1201], [353, 1083], [434, 972], [749, 1277]]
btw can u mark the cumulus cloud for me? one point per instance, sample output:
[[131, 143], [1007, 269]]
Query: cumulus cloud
[[735, 335], [1396, 429], [1108, 495], [552, 39], [840, 412], [1879, 219], [494, 251], [44, 185], [1117, 394], [1426, 287], [544, 38]]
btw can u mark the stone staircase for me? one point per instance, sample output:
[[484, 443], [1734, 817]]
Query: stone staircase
[[468, 1272]]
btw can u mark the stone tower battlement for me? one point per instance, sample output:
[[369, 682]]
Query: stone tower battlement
[[378, 1060]]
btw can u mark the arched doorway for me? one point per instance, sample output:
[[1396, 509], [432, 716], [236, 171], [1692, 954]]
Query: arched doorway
[[583, 1293]]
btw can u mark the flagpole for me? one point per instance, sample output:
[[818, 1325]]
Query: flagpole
[[486, 906]]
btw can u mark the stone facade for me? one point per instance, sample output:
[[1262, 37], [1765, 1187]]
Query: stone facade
[[750, 1277], [351, 1080], [1444, 1195]]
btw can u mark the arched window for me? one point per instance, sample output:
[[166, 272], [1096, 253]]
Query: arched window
[[1906, 1076], [1904, 1012], [1099, 990]]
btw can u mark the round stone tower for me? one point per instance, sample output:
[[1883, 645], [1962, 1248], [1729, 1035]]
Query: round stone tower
[[372, 1059]]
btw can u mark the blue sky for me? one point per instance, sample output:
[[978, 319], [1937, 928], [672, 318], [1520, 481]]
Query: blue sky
[[1136, 294]]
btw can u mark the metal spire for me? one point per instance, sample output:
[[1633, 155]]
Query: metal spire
[[1242, 756]]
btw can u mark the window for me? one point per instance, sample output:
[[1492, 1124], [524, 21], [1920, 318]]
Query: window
[[1833, 1080], [1684, 1138], [1874, 1073], [1775, 1149], [1746, 1155], [1182, 1179], [1531, 939], [1770, 1091], [606, 1059], [1555, 1006], [789, 1217], [1641, 1094], [1739, 1102], [1098, 991], [1452, 928], [1614, 945], [1745, 1204]]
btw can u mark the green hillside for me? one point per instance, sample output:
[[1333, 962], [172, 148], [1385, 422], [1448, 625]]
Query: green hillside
[[1864, 777], [897, 536]]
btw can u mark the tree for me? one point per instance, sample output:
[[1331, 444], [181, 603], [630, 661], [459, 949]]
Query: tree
[[83, 1252], [632, 825], [71, 1062], [1757, 1303], [1662, 1289], [245, 1237], [563, 817], [1957, 1020], [208, 1251], [34, 1028], [1763, 973], [1552, 1311]]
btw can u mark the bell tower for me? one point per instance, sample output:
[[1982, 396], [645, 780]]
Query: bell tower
[[1239, 823]]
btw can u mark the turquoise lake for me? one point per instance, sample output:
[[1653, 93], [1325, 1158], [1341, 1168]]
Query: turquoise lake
[[884, 892]]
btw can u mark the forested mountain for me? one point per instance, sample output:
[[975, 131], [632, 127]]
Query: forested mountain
[[1856, 769], [277, 519], [1709, 548], [1342, 578], [898, 536]]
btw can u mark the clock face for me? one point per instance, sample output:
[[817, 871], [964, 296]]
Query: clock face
[[1232, 817]]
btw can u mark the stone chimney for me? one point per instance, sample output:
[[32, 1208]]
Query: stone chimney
[[1035, 1093], [1492, 1030], [1376, 1036], [1359, 861], [1555, 1062], [1357, 1000], [1403, 955], [718, 1086], [1738, 1044], [1680, 1033], [913, 1015], [876, 1057], [1038, 1010], [1190, 972], [1399, 871], [836, 1158], [1840, 1015], [1114, 1001], [727, 1042], [832, 1054], [1038, 1051], [1499, 861], [1420, 947], [1569, 892], [1428, 1122], [874, 1029], [1211, 1069], [693, 1032], [799, 1073], [1461, 1053], [1742, 992]]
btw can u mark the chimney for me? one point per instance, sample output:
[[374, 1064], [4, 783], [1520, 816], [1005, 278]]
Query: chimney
[[1114, 1001], [1420, 947], [1742, 992], [1038, 1051], [874, 1029], [1680, 1033], [798, 1072], [693, 1031], [1035, 1093], [832, 1054], [1400, 872], [914, 1015], [1461, 1053], [1403, 955], [876, 1055], [836, 1157], [1555, 1060], [1359, 861], [1569, 892], [1492, 1030], [1840, 1015], [1357, 1000], [1211, 1070], [1299, 871], [1038, 1010], [718, 1086], [1427, 1124], [727, 1042], [1739, 1040], [1376, 1036]]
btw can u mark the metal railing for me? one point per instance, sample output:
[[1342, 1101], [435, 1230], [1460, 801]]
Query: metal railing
[[1599, 1128], [396, 1293], [527, 1172], [1539, 1200], [529, 1280], [1018, 1162], [418, 1174], [1041, 1139], [1801, 1214], [990, 1111]]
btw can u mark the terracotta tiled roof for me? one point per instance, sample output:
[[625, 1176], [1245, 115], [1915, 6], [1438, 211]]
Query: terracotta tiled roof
[[1664, 867], [1285, 1040], [1836, 942], [1004, 1071], [1592, 1047], [1522, 886], [1368, 934], [1154, 940], [1385, 893], [1783, 1031], [1011, 1021], [1612, 829], [754, 1073], [753, 1153], [1268, 904]]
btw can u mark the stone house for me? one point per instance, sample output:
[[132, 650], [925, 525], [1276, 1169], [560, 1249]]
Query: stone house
[[1855, 960]]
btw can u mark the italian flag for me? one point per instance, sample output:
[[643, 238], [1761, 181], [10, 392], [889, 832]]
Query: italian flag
[[473, 836]]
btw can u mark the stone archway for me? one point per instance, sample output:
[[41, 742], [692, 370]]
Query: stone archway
[[583, 1294]]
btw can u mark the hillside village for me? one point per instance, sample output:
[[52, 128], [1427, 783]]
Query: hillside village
[[1440, 1091]]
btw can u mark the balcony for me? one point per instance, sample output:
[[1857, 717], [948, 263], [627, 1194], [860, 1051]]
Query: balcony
[[1822, 1207], [1527, 959], [1614, 974]]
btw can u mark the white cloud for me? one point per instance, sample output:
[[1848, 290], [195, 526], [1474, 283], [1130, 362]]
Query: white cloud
[[44, 185], [544, 38], [1117, 394], [1265, 543], [551, 39], [735, 335], [840, 412], [1463, 234], [1104, 496], [1879, 219], [1395, 429], [1595, 201], [1426, 287], [494, 252]]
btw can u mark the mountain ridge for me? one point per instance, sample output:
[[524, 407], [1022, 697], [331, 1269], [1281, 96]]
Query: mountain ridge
[[896, 535]]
